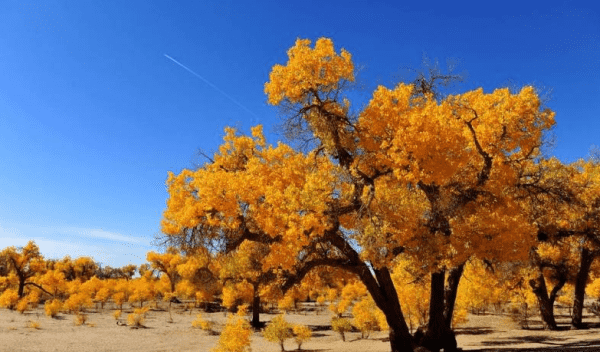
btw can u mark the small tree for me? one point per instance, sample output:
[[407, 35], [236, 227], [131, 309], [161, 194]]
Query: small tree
[[341, 326], [301, 334], [235, 337], [278, 330]]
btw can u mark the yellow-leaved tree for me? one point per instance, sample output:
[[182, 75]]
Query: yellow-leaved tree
[[410, 175]]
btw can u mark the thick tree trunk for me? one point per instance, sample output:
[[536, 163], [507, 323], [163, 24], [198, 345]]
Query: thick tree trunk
[[438, 335], [386, 298], [255, 307], [580, 282], [21, 286], [454, 277], [546, 303]]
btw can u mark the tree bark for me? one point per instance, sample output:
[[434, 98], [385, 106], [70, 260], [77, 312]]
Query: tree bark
[[438, 335], [580, 282], [386, 298], [450, 293], [21, 285], [546, 302], [255, 307]]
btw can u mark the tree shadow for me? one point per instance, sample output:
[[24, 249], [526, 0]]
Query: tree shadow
[[585, 346], [483, 330], [319, 327], [548, 340]]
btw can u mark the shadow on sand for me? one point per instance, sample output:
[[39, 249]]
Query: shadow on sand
[[587, 346]]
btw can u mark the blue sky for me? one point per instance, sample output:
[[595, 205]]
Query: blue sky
[[93, 114]]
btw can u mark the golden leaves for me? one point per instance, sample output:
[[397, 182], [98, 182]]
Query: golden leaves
[[308, 69]]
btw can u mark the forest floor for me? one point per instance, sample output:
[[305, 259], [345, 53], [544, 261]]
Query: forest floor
[[489, 332]]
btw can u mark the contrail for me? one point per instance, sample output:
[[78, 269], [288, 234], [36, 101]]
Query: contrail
[[212, 85]]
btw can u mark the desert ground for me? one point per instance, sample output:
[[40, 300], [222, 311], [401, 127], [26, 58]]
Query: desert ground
[[489, 332]]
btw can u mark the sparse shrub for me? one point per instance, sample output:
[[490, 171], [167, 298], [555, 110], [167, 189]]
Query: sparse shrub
[[341, 326], [235, 337], [33, 324], [80, 319], [301, 334], [278, 330], [202, 323], [22, 306], [117, 314], [52, 308], [138, 317]]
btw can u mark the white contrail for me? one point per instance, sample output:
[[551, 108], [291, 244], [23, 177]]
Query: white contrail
[[212, 85]]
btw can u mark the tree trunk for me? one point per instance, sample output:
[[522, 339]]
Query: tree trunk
[[438, 335], [580, 282], [255, 307], [386, 298], [546, 303], [450, 293], [21, 286]]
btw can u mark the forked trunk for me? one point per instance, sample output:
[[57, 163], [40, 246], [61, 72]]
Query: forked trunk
[[546, 302], [439, 335]]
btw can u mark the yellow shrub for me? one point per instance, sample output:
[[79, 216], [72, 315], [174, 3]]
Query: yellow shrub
[[33, 324], [365, 319], [22, 306], [138, 317], [80, 319], [203, 324], [51, 308], [278, 330], [341, 326], [9, 299], [301, 334], [117, 314], [235, 337]]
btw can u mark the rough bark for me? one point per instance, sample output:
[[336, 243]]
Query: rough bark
[[255, 307], [386, 298], [580, 282], [546, 302], [438, 335], [454, 277]]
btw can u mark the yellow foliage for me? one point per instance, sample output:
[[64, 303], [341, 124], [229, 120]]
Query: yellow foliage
[[9, 299], [138, 317], [364, 316], [80, 319], [32, 324], [117, 314], [235, 337], [317, 69], [52, 308], [22, 306], [302, 333], [202, 323], [278, 330], [341, 326], [77, 302]]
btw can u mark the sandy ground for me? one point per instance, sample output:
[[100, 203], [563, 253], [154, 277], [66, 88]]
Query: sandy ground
[[481, 333]]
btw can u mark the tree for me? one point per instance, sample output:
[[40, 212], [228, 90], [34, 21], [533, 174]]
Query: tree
[[408, 175], [25, 263]]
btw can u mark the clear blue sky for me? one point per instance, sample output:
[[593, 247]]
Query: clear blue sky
[[93, 114]]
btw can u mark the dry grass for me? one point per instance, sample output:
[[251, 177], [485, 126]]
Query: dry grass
[[33, 325], [80, 319]]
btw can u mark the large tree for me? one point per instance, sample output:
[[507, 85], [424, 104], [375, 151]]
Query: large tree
[[410, 174]]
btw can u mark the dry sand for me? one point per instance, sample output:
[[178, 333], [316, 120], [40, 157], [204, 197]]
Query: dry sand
[[481, 333]]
